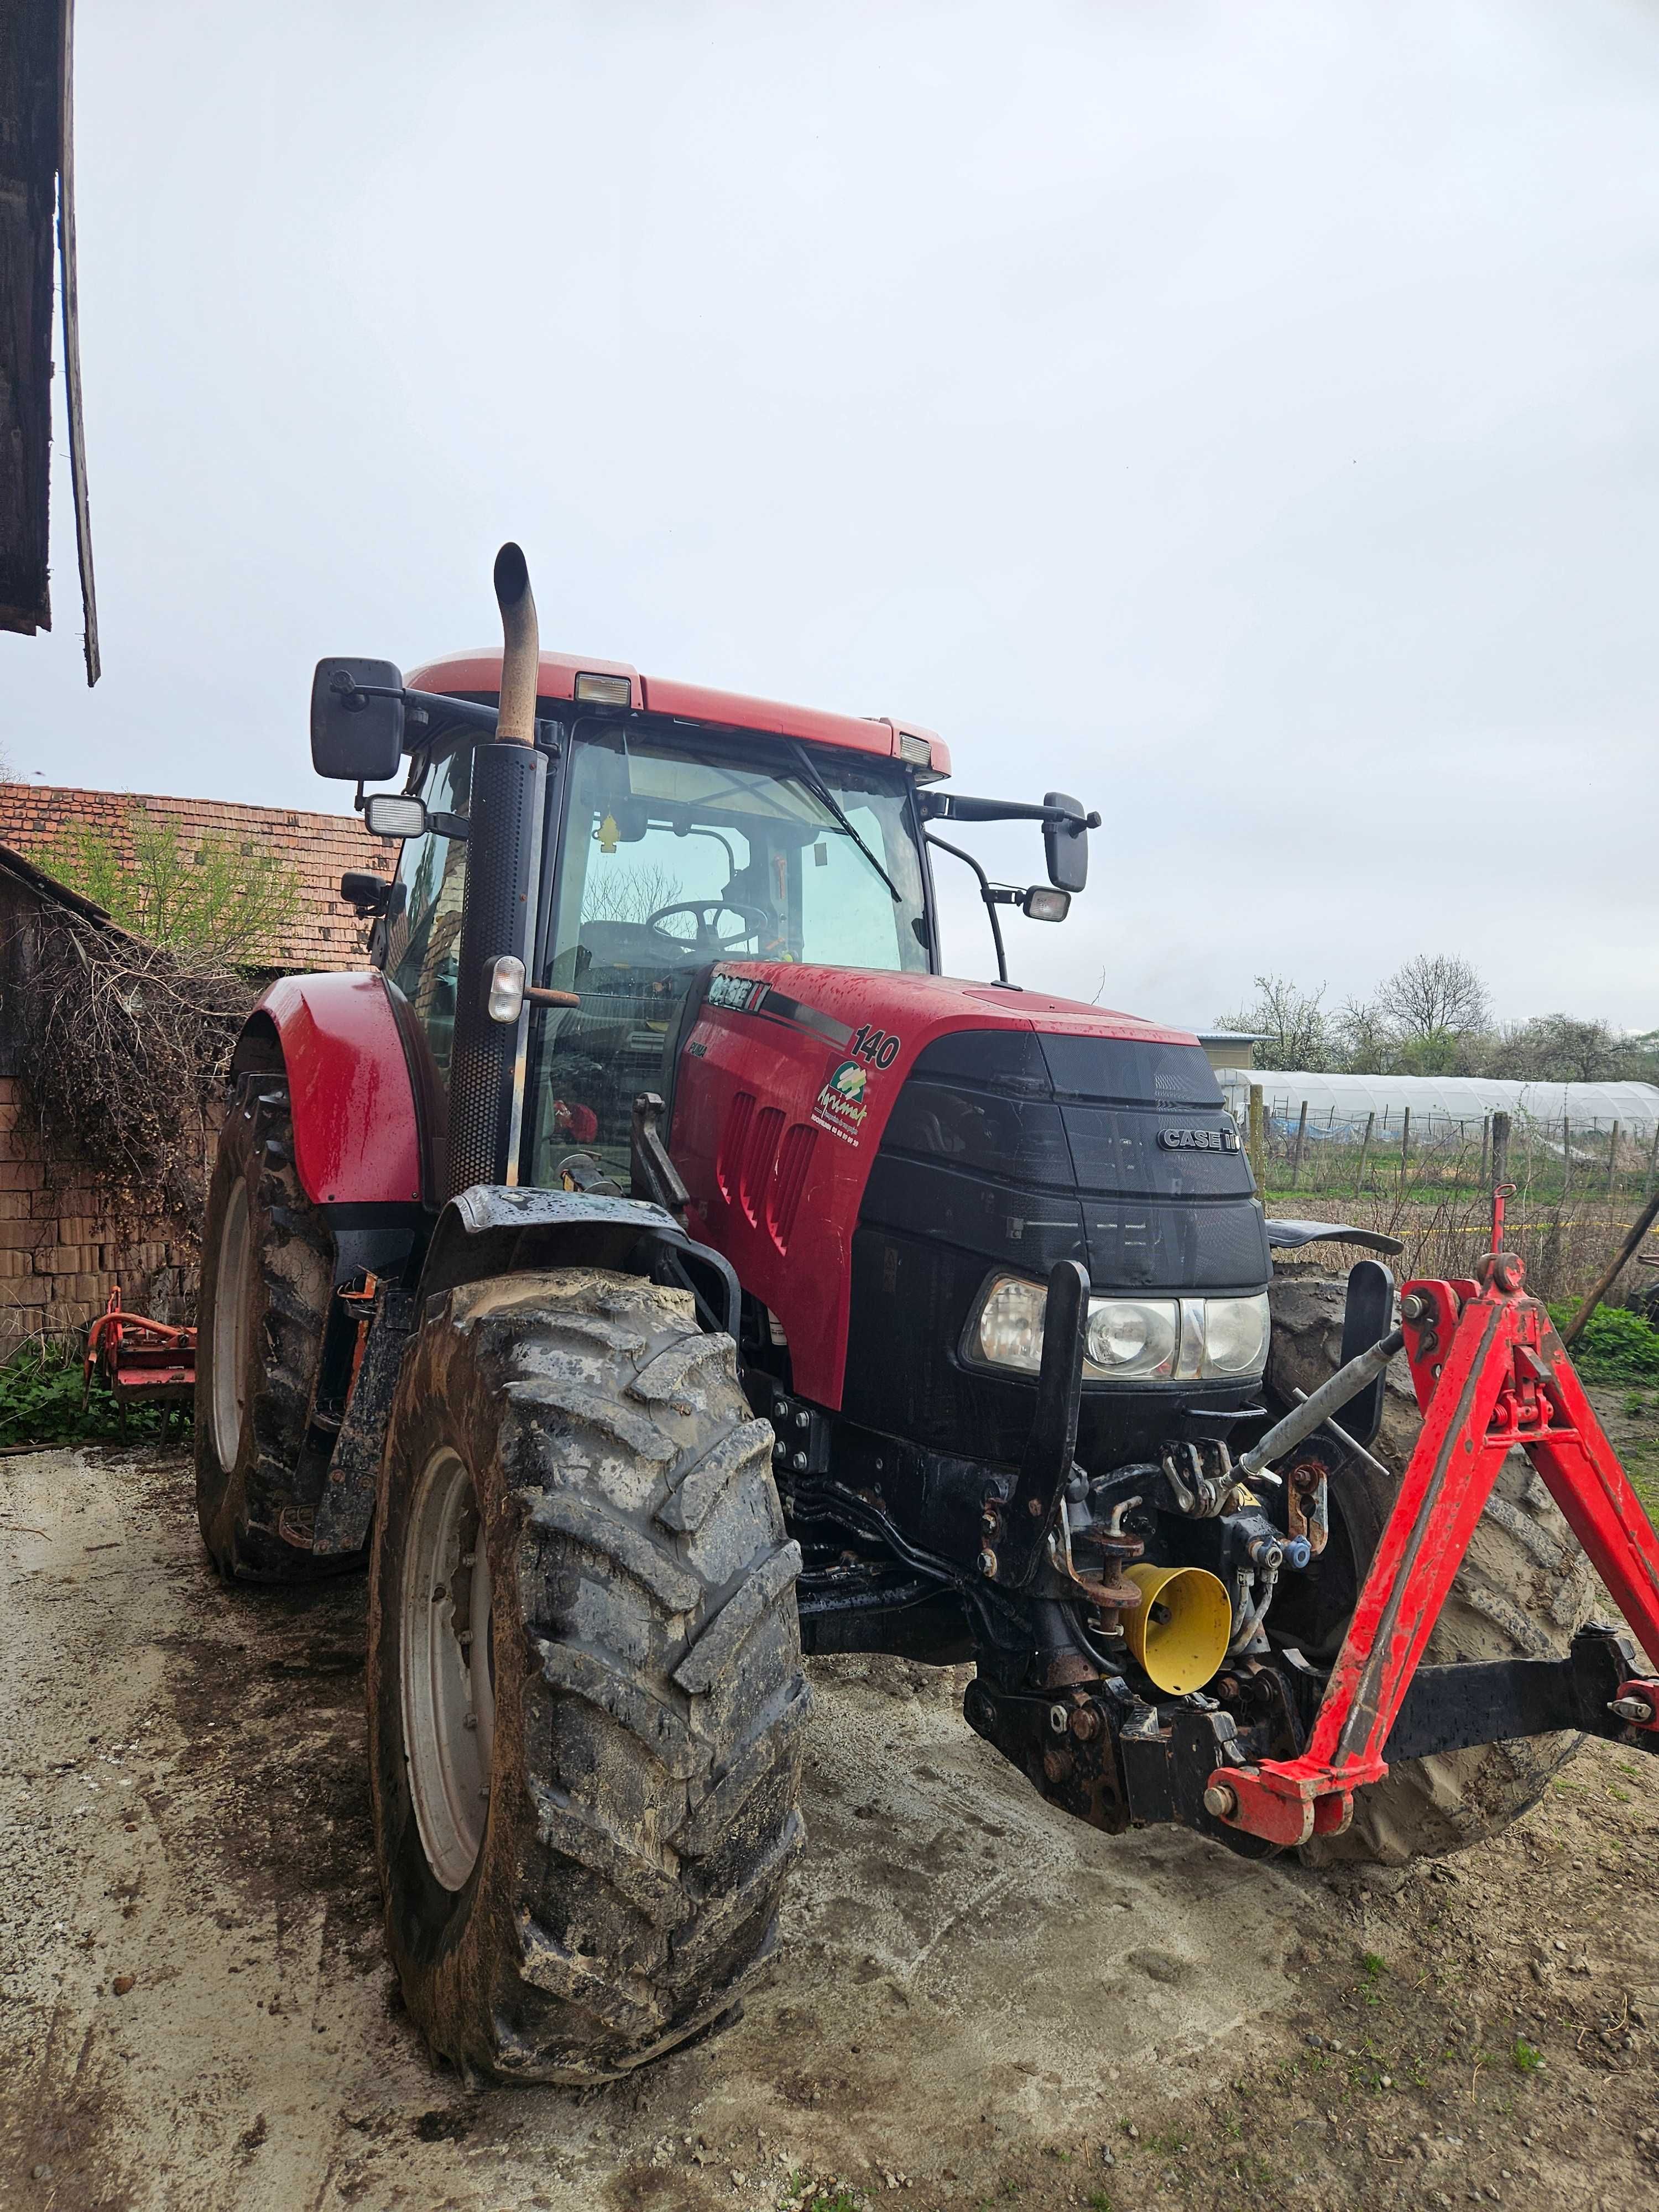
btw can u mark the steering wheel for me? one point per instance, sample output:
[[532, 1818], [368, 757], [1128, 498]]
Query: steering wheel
[[708, 940]]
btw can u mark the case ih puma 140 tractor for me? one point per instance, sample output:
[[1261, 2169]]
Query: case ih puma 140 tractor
[[657, 1269]]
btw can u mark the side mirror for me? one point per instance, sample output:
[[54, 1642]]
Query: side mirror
[[363, 893], [1041, 904], [1066, 846], [389, 814], [357, 720]]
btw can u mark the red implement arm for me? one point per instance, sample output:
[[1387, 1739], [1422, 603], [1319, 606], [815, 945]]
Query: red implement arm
[[1491, 1373]]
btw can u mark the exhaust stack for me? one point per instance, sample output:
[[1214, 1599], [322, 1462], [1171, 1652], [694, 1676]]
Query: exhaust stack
[[487, 1066], [521, 648]]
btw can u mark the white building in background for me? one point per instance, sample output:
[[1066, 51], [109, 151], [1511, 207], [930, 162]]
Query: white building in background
[[1338, 1104]]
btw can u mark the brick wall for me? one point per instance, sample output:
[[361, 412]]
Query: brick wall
[[61, 1252], [36, 818]]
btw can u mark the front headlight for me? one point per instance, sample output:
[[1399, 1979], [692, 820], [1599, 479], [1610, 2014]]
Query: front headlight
[[1236, 1336], [1132, 1337], [1009, 1333], [1127, 1339]]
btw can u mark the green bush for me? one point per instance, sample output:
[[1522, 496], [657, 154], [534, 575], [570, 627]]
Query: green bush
[[40, 1401], [1616, 1345]]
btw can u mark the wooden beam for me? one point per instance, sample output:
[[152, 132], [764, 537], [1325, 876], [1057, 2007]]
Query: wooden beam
[[31, 113], [77, 444]]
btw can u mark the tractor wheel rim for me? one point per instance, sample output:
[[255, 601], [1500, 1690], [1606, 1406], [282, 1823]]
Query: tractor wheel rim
[[448, 1669], [230, 1300]]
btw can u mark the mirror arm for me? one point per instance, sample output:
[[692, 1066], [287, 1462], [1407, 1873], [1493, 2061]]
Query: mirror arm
[[954, 806], [986, 892]]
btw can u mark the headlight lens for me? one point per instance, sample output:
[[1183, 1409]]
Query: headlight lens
[[1133, 1336], [1127, 1340], [1010, 1331], [1236, 1336]]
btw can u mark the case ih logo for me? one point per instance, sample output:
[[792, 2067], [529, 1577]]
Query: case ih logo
[[1198, 1141], [740, 992]]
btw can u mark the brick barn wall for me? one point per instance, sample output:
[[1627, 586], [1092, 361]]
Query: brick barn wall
[[60, 1254]]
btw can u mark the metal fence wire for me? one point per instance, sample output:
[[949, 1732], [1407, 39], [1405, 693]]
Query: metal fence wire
[[1427, 1178]]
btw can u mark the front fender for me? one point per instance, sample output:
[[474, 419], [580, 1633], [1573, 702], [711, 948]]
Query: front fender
[[356, 1135], [490, 1229]]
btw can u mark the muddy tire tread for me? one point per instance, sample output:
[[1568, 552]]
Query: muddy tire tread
[[244, 1510], [662, 1690]]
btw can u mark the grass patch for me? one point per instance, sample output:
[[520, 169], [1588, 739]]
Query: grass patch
[[1616, 1345], [1527, 2057]]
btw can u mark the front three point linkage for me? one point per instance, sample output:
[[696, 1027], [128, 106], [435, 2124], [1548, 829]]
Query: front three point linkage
[[1491, 1373]]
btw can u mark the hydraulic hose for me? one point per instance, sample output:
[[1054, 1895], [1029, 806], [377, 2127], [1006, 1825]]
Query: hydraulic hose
[[515, 721]]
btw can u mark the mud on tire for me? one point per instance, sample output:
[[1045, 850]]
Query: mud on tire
[[638, 1808], [267, 1277], [1524, 1587]]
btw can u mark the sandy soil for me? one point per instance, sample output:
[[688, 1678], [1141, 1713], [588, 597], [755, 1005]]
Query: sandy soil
[[977, 2001]]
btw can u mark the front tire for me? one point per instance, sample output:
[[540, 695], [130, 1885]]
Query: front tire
[[584, 1687], [267, 1278], [1524, 1588]]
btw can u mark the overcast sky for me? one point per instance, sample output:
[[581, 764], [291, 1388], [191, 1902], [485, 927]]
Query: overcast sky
[[1246, 417]]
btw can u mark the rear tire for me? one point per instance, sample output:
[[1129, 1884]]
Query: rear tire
[[1525, 1586], [267, 1278], [582, 1847]]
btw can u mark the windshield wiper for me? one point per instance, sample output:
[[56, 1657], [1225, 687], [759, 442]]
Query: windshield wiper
[[821, 791]]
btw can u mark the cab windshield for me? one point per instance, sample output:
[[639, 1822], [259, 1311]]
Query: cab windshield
[[672, 859]]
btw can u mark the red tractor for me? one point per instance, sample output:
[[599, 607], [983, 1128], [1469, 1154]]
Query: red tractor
[[657, 1269]]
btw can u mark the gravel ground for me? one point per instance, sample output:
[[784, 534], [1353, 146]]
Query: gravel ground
[[977, 2002]]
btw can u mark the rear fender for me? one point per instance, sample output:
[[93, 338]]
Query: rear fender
[[357, 1138]]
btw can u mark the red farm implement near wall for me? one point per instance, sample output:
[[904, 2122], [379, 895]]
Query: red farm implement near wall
[[143, 1362]]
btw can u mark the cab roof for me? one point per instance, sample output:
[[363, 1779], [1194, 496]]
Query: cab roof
[[461, 674]]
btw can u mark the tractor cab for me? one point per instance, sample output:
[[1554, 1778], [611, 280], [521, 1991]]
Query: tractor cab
[[670, 842], [679, 848]]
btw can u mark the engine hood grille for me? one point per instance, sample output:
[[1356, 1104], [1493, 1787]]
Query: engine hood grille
[[1026, 1149]]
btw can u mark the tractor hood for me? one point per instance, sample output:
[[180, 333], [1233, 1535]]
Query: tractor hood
[[831, 1121]]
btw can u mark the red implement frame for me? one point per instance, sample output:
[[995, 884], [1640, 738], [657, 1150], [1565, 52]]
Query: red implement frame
[[1491, 1373], [139, 1358]]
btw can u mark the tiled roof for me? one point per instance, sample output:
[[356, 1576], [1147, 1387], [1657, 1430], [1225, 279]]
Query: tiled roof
[[325, 933]]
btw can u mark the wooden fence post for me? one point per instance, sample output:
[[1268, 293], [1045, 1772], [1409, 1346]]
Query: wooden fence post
[[1653, 1156], [1485, 1147], [1258, 1137], [1405, 1145], [1612, 1159], [1500, 1149], [1301, 1134], [1566, 1156], [1365, 1146]]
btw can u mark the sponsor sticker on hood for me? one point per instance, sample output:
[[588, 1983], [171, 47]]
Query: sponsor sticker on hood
[[840, 1106]]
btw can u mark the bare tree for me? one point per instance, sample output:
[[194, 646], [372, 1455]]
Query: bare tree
[[629, 894], [1370, 1042], [1435, 994], [1292, 1024], [1564, 1049]]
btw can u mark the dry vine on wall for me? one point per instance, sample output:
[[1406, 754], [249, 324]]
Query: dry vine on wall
[[125, 1050]]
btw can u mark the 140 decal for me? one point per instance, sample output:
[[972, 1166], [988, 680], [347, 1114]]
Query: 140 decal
[[880, 1048]]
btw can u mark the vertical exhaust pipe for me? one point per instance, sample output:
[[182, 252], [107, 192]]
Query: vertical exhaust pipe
[[521, 648], [498, 915]]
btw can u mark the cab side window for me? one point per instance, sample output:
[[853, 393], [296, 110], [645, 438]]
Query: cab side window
[[423, 932]]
